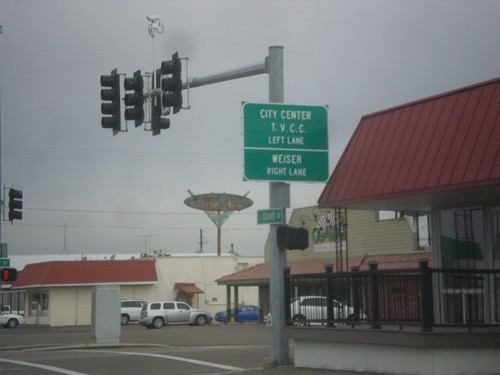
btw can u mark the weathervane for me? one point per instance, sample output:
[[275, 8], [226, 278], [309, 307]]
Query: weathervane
[[155, 27]]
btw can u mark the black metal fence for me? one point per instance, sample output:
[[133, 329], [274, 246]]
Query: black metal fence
[[424, 296]]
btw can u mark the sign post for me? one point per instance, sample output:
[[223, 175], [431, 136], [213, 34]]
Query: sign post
[[279, 197]]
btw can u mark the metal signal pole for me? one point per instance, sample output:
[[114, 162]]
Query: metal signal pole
[[279, 197], [279, 192]]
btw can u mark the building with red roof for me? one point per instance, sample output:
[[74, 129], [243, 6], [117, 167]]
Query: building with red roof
[[441, 156], [88, 273], [59, 293]]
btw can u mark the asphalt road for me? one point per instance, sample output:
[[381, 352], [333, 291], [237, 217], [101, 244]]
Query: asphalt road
[[179, 335], [180, 350]]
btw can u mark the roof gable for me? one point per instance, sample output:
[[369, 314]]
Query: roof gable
[[444, 143], [93, 272]]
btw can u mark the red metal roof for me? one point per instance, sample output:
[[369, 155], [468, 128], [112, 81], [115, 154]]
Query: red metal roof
[[445, 143], [259, 274], [396, 261], [91, 272], [187, 288]]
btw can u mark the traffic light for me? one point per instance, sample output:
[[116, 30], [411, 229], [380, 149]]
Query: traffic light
[[134, 100], [111, 96], [158, 122], [292, 238], [15, 204], [171, 83], [9, 274]]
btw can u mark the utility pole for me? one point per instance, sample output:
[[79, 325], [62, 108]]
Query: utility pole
[[279, 197], [200, 250], [65, 245]]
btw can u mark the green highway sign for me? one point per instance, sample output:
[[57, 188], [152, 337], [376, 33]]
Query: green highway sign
[[271, 216], [4, 262], [284, 142]]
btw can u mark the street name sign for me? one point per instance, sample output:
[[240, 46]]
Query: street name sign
[[271, 216], [4, 262], [284, 142]]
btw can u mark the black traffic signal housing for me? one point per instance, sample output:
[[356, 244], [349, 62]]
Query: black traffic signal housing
[[15, 204], [111, 106], [8, 274], [134, 100], [292, 238], [158, 122], [171, 83]]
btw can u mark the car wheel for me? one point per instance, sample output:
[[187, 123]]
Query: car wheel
[[124, 319], [201, 320], [12, 323], [299, 320], [157, 322]]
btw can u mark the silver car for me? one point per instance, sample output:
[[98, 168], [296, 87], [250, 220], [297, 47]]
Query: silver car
[[158, 314], [131, 310], [314, 308]]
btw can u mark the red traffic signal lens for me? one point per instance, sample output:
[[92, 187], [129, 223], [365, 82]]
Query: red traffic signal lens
[[9, 274]]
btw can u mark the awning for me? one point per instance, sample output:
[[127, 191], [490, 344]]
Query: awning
[[438, 150], [188, 288]]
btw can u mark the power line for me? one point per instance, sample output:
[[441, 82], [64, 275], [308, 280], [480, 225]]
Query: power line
[[132, 227], [97, 155], [76, 210]]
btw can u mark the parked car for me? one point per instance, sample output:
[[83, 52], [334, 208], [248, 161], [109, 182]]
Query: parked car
[[158, 314], [9, 320], [314, 308], [246, 313], [131, 310]]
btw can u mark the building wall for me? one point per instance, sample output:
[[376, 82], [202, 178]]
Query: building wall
[[365, 234], [203, 271], [72, 305], [144, 292]]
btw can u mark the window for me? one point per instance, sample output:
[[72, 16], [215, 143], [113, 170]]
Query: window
[[169, 306], [462, 238], [39, 304], [496, 238], [387, 215], [155, 306], [182, 306]]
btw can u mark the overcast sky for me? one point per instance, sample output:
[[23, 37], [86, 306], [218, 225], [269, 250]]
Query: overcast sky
[[110, 192]]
